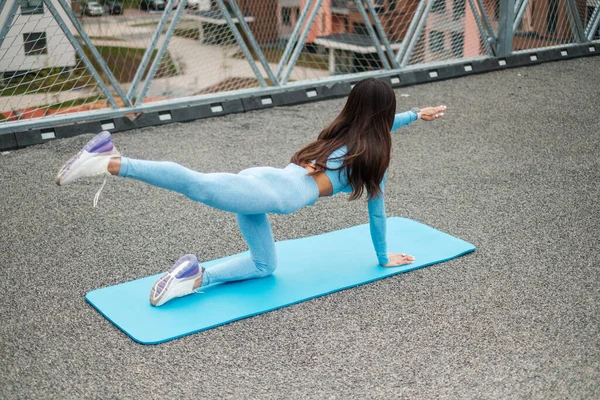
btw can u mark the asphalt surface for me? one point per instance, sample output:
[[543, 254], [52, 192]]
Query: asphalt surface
[[512, 168]]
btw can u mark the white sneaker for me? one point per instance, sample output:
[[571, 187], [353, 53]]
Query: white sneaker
[[92, 160], [178, 281]]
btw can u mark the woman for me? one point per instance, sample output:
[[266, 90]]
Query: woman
[[351, 155]]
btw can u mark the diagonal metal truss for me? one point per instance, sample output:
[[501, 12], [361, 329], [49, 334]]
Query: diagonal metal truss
[[12, 11], [520, 8], [84, 57], [414, 30], [292, 41], [371, 31], [161, 52], [593, 23], [575, 20], [489, 35], [241, 43], [483, 32], [382, 34], [253, 43], [300, 43], [86, 39], [131, 94]]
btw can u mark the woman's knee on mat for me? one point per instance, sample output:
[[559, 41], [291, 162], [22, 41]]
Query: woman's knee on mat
[[266, 268]]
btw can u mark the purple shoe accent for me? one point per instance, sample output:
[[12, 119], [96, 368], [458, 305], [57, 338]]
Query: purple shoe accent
[[189, 272], [100, 143], [97, 141], [190, 258], [161, 285], [104, 148]]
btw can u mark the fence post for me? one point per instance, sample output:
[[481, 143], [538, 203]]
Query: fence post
[[485, 38], [505, 28], [575, 20], [593, 24]]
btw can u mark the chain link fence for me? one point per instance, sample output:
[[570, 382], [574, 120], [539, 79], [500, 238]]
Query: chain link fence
[[63, 58]]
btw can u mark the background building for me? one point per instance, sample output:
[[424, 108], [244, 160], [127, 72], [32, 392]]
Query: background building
[[35, 40]]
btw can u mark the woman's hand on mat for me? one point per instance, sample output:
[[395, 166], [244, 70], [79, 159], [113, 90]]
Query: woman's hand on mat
[[431, 113], [397, 260]]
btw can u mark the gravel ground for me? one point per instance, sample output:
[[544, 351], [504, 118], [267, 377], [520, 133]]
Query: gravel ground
[[512, 168]]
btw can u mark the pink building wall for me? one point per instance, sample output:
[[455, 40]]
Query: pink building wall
[[323, 24]]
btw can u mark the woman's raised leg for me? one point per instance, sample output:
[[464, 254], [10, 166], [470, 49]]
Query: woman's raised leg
[[236, 193], [253, 191]]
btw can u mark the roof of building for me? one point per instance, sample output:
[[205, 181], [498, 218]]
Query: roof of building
[[352, 42], [215, 17]]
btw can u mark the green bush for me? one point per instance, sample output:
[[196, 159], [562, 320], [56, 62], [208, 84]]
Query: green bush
[[123, 62]]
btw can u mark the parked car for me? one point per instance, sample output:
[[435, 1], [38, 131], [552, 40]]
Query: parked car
[[193, 4], [152, 5], [92, 8], [203, 5], [112, 7]]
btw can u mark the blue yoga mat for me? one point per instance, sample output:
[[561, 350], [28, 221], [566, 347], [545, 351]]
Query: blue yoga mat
[[308, 268]]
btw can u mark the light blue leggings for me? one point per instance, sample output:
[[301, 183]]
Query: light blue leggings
[[251, 194]]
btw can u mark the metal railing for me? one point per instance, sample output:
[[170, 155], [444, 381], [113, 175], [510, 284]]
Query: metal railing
[[64, 63]]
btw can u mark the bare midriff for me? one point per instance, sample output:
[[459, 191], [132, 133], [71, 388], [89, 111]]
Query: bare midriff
[[323, 182]]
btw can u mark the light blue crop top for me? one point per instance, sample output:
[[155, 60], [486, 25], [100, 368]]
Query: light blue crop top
[[339, 183]]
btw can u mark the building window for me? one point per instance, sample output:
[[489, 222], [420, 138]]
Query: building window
[[439, 6], [436, 41], [552, 16], [458, 9], [379, 6], [32, 7], [297, 14], [286, 16], [359, 29], [392, 5], [458, 44], [35, 43]]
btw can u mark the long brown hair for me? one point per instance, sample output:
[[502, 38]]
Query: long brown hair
[[364, 127]]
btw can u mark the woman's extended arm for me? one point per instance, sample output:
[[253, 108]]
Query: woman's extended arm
[[377, 219], [404, 119], [427, 114]]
